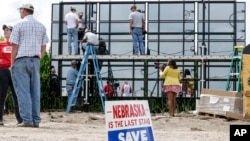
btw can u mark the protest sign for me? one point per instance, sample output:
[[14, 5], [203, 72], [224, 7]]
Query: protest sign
[[128, 121]]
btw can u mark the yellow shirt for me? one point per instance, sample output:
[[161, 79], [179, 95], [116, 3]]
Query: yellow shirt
[[172, 76]]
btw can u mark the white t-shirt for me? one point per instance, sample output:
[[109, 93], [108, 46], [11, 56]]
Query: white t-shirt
[[71, 18], [81, 23], [91, 38], [137, 18], [126, 88]]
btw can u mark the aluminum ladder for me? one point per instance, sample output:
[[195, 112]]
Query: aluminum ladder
[[80, 77], [235, 68]]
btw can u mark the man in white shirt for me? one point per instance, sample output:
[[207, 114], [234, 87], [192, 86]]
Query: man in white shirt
[[126, 89], [71, 20], [136, 23], [90, 38]]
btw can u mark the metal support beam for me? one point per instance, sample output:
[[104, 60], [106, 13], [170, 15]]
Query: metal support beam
[[145, 57]]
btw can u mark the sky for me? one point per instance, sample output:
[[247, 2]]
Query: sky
[[10, 14]]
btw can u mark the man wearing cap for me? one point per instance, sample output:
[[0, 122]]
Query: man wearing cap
[[71, 77], [5, 77], [90, 38], [71, 20], [136, 22], [29, 39]]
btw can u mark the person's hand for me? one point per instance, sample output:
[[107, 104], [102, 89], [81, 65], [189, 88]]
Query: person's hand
[[161, 67], [130, 31]]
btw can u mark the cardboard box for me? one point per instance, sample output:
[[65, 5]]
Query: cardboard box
[[220, 102]]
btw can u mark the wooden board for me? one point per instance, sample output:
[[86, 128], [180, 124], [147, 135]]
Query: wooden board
[[234, 115]]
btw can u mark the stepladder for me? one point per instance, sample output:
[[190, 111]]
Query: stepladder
[[90, 50], [235, 70]]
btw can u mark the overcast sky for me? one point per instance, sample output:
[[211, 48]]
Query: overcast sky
[[10, 14]]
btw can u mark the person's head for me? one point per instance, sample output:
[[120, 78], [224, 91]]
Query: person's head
[[108, 82], [187, 72], [53, 71], [133, 8], [26, 9], [125, 82], [72, 9], [172, 64], [80, 14], [74, 63], [7, 31]]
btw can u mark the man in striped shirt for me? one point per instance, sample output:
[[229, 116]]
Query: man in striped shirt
[[29, 41]]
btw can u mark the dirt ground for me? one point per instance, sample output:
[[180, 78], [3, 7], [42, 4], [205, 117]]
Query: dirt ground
[[81, 126]]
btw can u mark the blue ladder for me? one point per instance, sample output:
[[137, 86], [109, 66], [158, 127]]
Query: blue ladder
[[80, 77]]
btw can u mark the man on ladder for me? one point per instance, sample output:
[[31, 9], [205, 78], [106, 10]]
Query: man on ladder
[[92, 42]]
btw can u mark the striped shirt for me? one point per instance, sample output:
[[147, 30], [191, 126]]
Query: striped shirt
[[29, 34]]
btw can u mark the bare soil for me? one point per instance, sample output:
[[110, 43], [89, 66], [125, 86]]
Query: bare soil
[[81, 126]]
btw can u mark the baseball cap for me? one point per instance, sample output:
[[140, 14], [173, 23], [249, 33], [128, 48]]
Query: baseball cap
[[73, 62], [6, 26], [27, 6], [87, 30]]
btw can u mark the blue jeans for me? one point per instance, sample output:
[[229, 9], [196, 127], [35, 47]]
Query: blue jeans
[[138, 39], [26, 81], [69, 89], [72, 36]]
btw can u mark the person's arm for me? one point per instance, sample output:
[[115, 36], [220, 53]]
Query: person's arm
[[77, 22], [143, 24], [14, 53], [112, 90], [43, 49], [122, 90], [163, 73], [130, 26], [179, 76], [65, 20], [84, 39]]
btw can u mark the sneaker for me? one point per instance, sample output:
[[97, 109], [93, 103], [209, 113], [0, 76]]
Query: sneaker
[[24, 125], [36, 125]]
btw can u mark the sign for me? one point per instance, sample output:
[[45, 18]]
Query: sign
[[128, 121], [239, 132]]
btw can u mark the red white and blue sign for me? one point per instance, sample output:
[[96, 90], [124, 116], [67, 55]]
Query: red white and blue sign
[[128, 121]]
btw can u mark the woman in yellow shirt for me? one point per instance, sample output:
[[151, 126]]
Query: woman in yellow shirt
[[171, 84]]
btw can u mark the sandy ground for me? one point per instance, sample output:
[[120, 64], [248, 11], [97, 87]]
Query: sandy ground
[[80, 126]]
